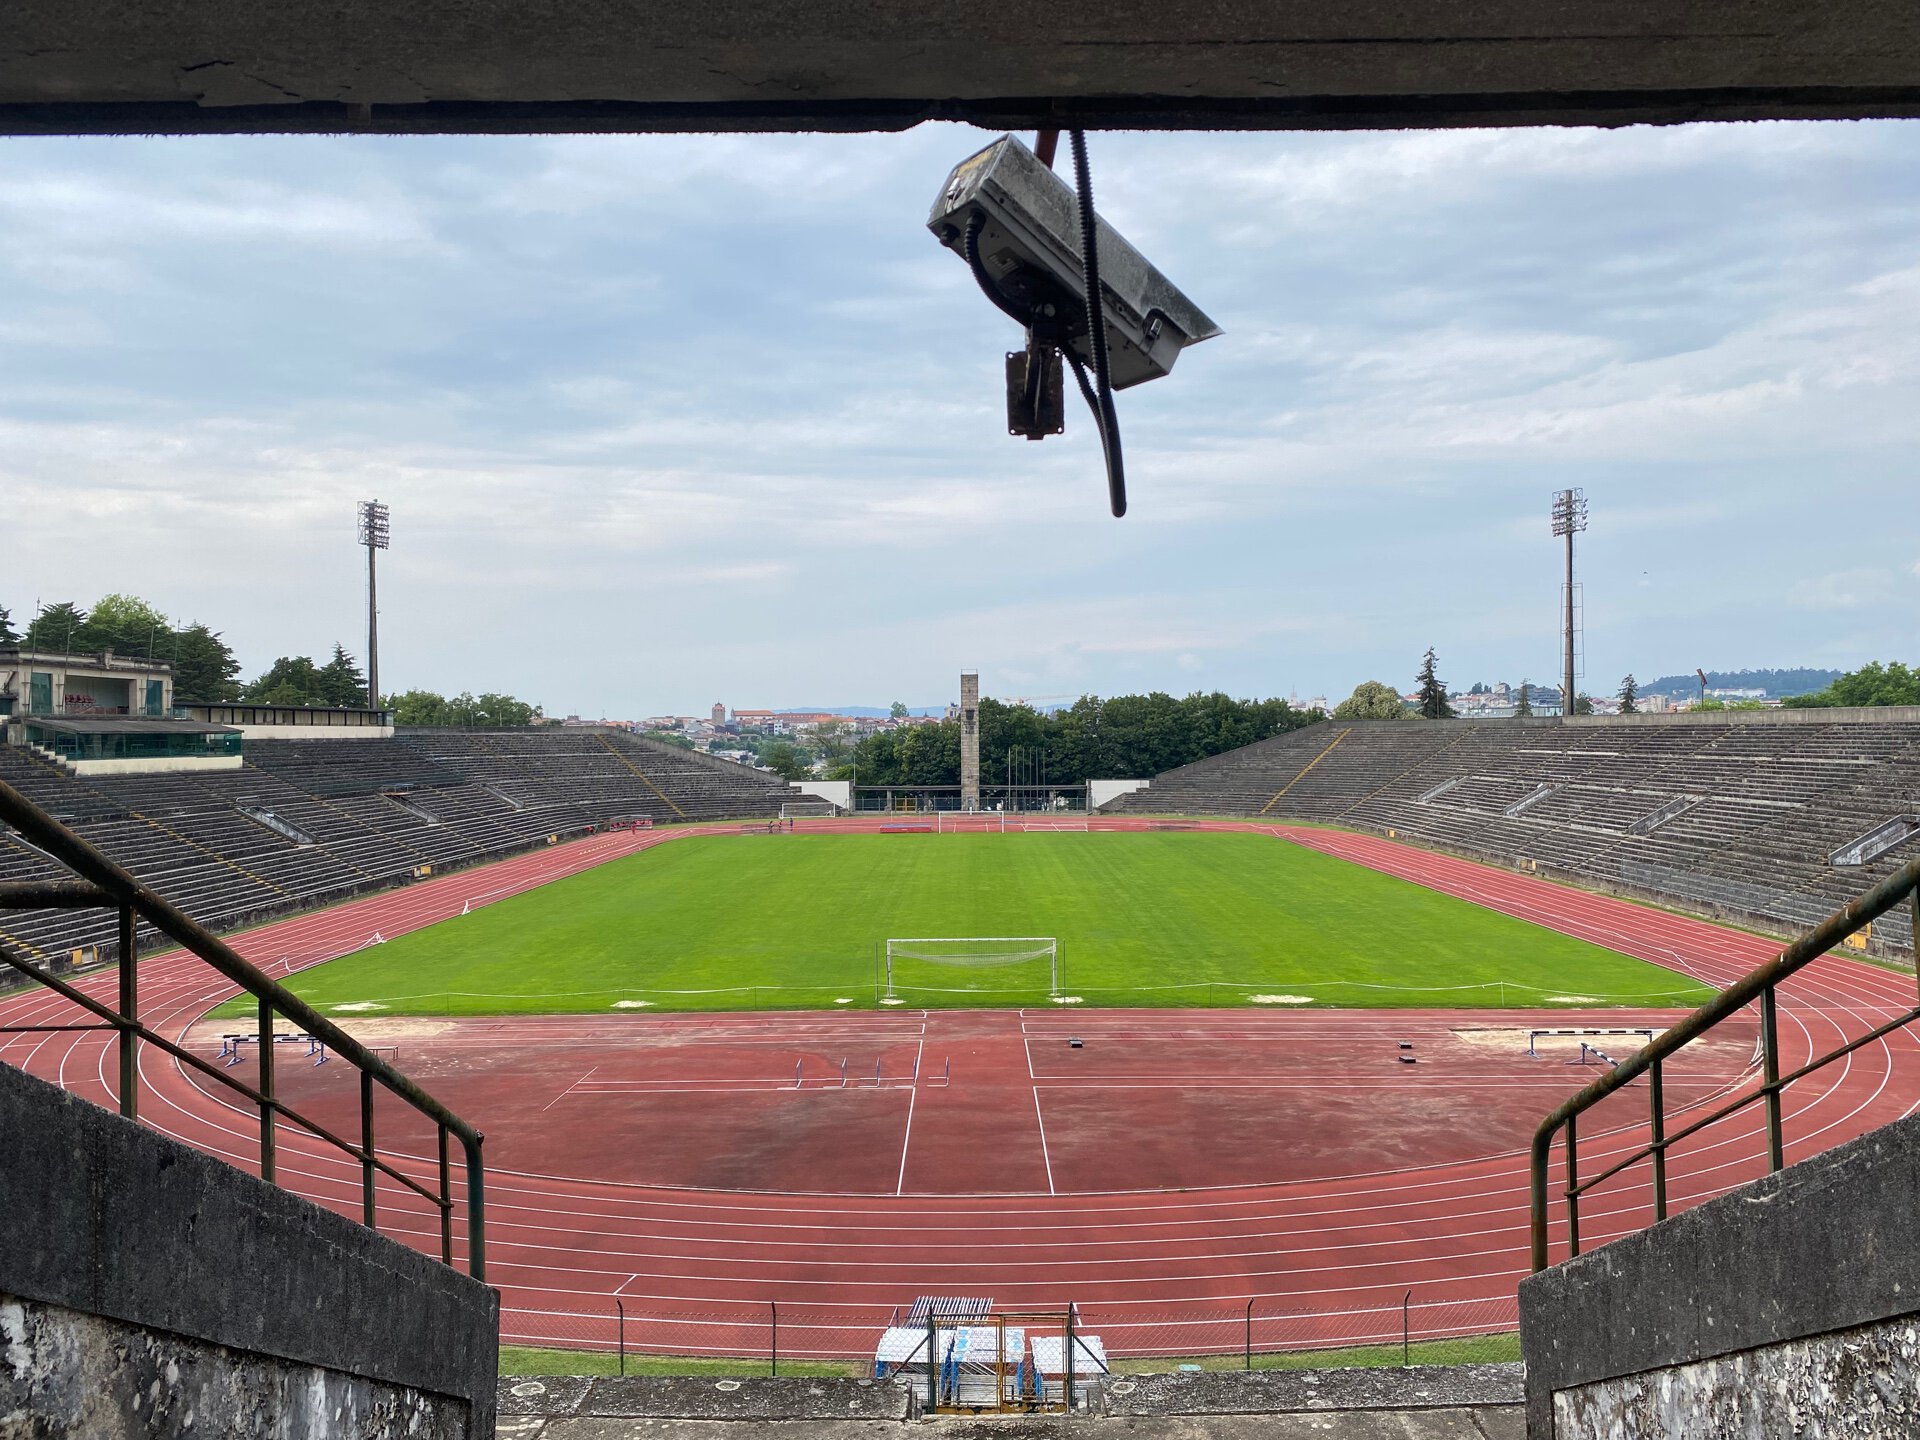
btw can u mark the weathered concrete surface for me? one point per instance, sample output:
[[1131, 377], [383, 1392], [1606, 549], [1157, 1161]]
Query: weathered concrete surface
[[105, 1218], [704, 1397], [502, 65], [1822, 1247], [1478, 1402], [1267, 1392], [1861, 1384], [67, 1374], [1504, 1423]]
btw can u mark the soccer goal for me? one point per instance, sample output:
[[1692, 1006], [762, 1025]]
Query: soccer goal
[[971, 965]]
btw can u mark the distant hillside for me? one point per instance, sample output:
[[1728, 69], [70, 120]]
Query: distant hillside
[[856, 711], [1777, 683]]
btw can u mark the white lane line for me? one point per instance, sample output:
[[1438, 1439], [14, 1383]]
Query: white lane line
[[900, 1186], [1045, 1159], [568, 1091]]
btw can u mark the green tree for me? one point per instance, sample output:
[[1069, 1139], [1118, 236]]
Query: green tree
[[781, 758], [58, 627], [203, 667], [1523, 708], [898, 710], [1370, 701], [1583, 705], [418, 707], [290, 680], [1433, 691], [1872, 684], [1629, 695], [341, 682], [489, 711], [128, 625], [8, 635]]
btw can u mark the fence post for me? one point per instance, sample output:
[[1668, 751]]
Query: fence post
[[933, 1363], [620, 1308], [1406, 1329], [1249, 1329], [1069, 1389], [773, 1347]]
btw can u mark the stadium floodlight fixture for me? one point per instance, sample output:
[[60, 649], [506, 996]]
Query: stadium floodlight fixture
[[373, 535], [1042, 255], [373, 524], [1569, 512]]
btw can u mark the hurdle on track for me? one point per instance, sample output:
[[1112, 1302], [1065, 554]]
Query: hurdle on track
[[1534, 1036], [230, 1046]]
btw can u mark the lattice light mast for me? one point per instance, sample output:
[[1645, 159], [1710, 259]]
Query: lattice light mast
[[373, 535], [1569, 519]]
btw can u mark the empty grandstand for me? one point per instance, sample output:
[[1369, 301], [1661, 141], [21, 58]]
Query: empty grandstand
[[1771, 817], [303, 822]]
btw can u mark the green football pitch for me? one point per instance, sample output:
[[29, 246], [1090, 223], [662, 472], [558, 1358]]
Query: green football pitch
[[800, 921]]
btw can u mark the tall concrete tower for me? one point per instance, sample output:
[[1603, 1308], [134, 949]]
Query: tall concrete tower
[[969, 740]]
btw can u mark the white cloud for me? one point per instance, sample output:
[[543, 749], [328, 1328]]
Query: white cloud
[[733, 387]]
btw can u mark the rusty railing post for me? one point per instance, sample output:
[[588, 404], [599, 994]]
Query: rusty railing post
[[1406, 1329], [366, 1147], [1249, 1364], [1573, 1191], [130, 1013], [773, 1342], [1770, 1060], [1539, 1210], [620, 1320], [267, 1102], [446, 1202], [1657, 1106], [476, 1208]]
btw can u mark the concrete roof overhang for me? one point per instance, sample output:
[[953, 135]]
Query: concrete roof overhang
[[427, 66]]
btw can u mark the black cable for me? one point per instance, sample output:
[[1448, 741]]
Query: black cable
[[970, 247], [1102, 401], [1097, 392]]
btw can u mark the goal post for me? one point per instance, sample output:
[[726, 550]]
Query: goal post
[[971, 964]]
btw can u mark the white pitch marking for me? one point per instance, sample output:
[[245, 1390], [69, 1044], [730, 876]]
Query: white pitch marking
[[900, 1186], [1045, 1159], [568, 1091]]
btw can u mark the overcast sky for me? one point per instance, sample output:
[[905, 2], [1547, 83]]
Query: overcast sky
[[670, 420]]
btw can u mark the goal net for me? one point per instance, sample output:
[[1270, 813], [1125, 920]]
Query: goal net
[[972, 965]]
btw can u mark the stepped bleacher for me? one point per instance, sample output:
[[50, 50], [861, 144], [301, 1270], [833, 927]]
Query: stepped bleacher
[[304, 822], [1736, 816]]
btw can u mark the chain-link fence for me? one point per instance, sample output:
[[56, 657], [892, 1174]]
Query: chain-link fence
[[1409, 1326]]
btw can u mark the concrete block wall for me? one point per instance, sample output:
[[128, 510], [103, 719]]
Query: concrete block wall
[[149, 1290], [1789, 1307]]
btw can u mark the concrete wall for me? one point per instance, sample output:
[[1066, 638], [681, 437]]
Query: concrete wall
[[149, 1290], [1102, 792], [1789, 1307], [834, 792], [149, 764]]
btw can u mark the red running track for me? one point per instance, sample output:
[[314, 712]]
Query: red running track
[[1156, 1270]]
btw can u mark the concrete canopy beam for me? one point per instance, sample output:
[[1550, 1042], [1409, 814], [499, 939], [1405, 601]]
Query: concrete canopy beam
[[211, 66]]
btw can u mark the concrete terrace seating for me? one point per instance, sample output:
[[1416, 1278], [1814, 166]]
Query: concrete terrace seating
[[1749, 807], [354, 815], [604, 773]]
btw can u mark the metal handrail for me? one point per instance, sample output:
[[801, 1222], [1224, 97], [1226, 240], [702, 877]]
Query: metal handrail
[[104, 884], [1760, 984]]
